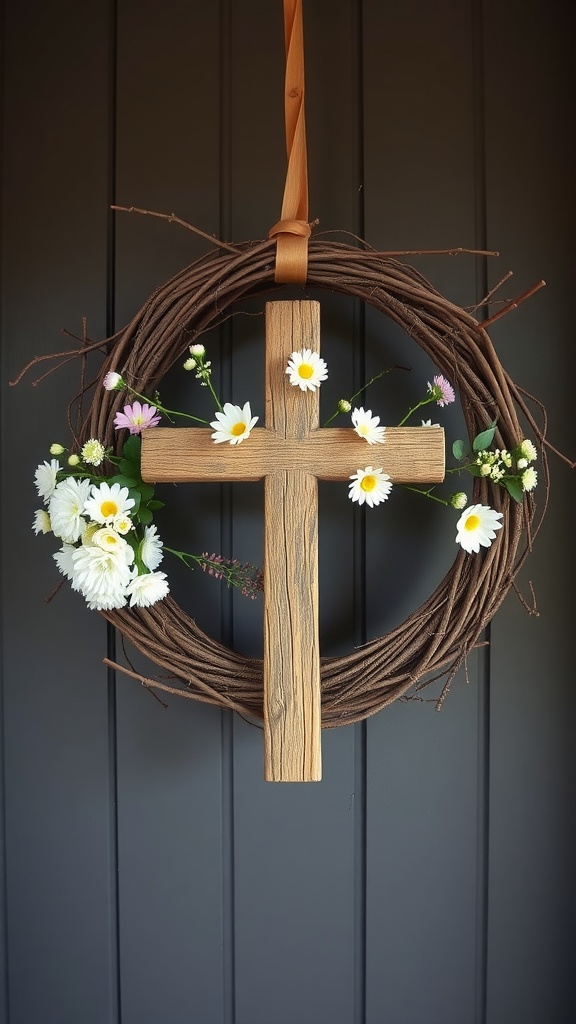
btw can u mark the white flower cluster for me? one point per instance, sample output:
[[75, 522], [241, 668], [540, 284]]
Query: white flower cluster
[[93, 522], [496, 464]]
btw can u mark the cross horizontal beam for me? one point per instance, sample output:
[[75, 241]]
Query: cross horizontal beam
[[188, 454]]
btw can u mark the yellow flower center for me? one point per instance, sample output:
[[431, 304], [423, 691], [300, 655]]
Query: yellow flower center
[[472, 523], [363, 429], [305, 370], [109, 508], [238, 429], [368, 483]]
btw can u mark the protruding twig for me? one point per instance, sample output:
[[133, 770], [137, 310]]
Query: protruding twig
[[486, 299], [513, 305], [173, 219], [65, 356]]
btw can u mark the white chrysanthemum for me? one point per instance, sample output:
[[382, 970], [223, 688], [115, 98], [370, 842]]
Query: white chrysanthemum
[[197, 350], [459, 500], [306, 369], [369, 485], [93, 452], [477, 527], [107, 502], [63, 559], [529, 479], [428, 423], [45, 479], [151, 551], [109, 540], [66, 509], [113, 381], [102, 577], [527, 450], [233, 424], [366, 426], [41, 522], [147, 589]]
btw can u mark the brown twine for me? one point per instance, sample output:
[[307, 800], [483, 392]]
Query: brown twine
[[437, 638]]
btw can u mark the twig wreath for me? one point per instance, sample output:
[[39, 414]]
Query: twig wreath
[[437, 638], [111, 550]]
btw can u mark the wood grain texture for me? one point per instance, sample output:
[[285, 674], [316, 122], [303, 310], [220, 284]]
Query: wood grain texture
[[186, 454], [291, 452], [292, 718]]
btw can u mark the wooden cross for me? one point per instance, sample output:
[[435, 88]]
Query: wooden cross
[[291, 453]]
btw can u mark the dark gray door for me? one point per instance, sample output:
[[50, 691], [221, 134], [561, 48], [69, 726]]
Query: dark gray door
[[151, 876]]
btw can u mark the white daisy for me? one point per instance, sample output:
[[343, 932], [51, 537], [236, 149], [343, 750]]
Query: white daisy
[[151, 551], [477, 526], [147, 589], [108, 540], [66, 508], [428, 423], [63, 559], [101, 577], [45, 479], [306, 369], [122, 524], [366, 426], [41, 522], [107, 502], [369, 485], [233, 424]]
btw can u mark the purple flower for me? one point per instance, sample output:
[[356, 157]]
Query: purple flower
[[137, 417], [441, 391]]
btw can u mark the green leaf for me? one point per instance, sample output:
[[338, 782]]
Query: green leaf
[[474, 470], [145, 516], [124, 481], [156, 504], [132, 449], [135, 495], [514, 488], [129, 468], [146, 491], [484, 440], [460, 449]]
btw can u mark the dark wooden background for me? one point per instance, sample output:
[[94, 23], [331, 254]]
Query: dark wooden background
[[151, 877]]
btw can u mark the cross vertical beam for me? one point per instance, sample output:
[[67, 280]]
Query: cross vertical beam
[[292, 717]]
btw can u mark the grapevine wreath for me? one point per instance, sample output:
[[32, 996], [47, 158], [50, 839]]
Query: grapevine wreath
[[436, 639]]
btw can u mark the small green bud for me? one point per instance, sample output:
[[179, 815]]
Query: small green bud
[[190, 364], [73, 460], [197, 350], [344, 405], [57, 449], [459, 500]]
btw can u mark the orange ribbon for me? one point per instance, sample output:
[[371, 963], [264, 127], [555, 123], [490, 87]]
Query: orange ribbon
[[293, 230]]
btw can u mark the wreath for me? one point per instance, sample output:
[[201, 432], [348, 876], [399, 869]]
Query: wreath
[[437, 638]]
